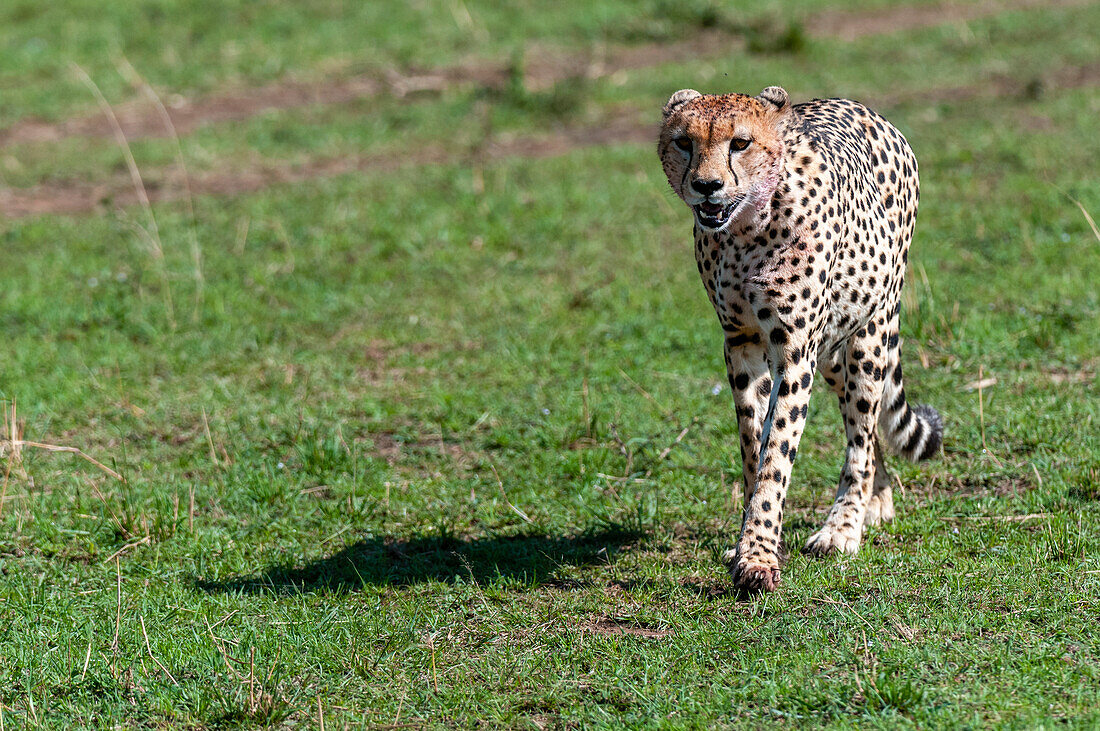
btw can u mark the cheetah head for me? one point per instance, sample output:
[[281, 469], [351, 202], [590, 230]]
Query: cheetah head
[[723, 153]]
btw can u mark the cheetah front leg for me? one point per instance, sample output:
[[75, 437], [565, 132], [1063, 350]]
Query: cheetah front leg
[[751, 383], [862, 376], [755, 560]]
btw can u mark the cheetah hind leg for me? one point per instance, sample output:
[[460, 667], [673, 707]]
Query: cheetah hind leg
[[879, 509], [880, 506]]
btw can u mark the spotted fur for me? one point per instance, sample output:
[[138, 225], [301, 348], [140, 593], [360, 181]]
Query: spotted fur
[[803, 219]]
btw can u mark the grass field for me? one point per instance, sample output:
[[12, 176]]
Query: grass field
[[418, 404]]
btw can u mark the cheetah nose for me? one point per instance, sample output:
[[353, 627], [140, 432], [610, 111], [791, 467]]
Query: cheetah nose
[[705, 187]]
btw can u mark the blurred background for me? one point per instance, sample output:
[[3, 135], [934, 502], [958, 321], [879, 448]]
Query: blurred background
[[383, 330]]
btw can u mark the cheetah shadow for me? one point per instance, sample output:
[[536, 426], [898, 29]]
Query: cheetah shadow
[[531, 560]]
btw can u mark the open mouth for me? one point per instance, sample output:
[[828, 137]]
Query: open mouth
[[715, 215]]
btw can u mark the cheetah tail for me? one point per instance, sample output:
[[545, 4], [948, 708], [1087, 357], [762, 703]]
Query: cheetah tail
[[913, 432]]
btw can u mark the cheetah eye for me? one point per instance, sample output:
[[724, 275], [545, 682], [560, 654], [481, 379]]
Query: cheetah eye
[[739, 143], [684, 143]]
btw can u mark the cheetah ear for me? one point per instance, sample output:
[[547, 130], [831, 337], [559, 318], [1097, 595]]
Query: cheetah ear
[[777, 96], [679, 99]]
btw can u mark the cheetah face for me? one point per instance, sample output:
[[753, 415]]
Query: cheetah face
[[723, 154]]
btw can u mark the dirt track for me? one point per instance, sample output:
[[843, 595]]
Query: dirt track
[[631, 126], [543, 68], [80, 197], [853, 26]]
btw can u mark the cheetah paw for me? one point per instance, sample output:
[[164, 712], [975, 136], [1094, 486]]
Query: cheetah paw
[[752, 575], [880, 509], [827, 541]]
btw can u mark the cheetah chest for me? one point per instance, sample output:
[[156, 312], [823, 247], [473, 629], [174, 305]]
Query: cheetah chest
[[760, 284]]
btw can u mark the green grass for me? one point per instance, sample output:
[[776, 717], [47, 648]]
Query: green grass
[[193, 46], [392, 453], [1027, 45]]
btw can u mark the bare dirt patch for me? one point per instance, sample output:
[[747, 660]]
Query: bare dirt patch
[[399, 452], [378, 369], [708, 589], [543, 67], [1002, 86], [848, 26], [1061, 376], [625, 127], [609, 626], [140, 118], [160, 185], [942, 484]]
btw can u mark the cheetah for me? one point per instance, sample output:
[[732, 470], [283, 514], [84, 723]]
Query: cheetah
[[803, 216]]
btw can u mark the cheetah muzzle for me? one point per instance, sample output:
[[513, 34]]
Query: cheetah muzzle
[[717, 215], [803, 218]]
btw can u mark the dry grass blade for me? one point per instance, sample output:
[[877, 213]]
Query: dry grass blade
[[71, 450], [648, 396], [133, 544], [124, 144], [7, 469], [1080, 207], [135, 177], [984, 383], [846, 605], [11, 451], [668, 450], [128, 71], [679, 438], [87, 659], [209, 438], [118, 604], [1007, 518], [504, 496], [153, 657], [1092, 223]]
